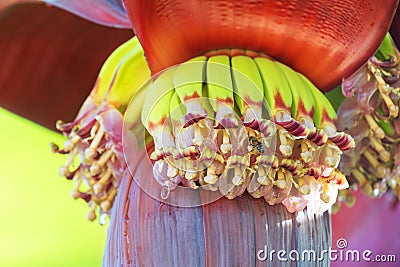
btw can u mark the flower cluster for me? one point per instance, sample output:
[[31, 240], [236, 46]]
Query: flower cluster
[[370, 114], [218, 132], [94, 146]]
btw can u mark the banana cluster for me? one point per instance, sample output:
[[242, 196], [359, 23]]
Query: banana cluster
[[95, 160], [238, 121], [371, 115]]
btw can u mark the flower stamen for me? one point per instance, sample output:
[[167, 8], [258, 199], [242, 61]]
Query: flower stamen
[[236, 147], [100, 164], [378, 132], [372, 116]]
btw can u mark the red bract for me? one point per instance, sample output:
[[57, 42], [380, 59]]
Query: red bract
[[105, 12], [46, 73], [325, 40]]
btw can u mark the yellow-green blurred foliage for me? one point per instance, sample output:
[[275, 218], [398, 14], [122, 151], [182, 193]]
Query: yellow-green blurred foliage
[[40, 225]]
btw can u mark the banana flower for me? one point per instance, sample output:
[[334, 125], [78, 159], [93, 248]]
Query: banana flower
[[207, 137]]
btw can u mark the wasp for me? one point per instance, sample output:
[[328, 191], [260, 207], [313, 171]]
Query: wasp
[[256, 144]]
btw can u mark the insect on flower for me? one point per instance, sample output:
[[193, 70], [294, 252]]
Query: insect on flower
[[256, 146]]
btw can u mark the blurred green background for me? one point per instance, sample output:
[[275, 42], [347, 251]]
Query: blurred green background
[[40, 224]]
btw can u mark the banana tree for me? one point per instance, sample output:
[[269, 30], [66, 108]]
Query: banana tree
[[208, 138]]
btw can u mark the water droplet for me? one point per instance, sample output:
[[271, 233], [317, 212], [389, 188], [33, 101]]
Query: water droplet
[[376, 192], [103, 219], [165, 191]]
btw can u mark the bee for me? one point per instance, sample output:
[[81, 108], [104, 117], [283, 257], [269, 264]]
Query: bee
[[256, 145]]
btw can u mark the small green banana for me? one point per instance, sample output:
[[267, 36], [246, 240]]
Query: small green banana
[[279, 98], [189, 77], [324, 114], [130, 72], [188, 82], [386, 49], [177, 111], [219, 85], [276, 89], [248, 87], [113, 61], [303, 100], [302, 110], [325, 118], [156, 109]]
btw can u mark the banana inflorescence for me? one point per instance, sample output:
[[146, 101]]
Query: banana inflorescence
[[238, 121], [370, 113], [94, 137]]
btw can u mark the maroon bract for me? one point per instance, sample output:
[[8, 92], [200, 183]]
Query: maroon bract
[[324, 40]]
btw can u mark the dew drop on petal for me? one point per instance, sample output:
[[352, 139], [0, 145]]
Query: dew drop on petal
[[165, 191], [103, 219]]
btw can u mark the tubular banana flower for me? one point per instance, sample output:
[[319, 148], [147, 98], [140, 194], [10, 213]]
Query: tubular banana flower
[[242, 141], [370, 113], [95, 159], [234, 109]]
